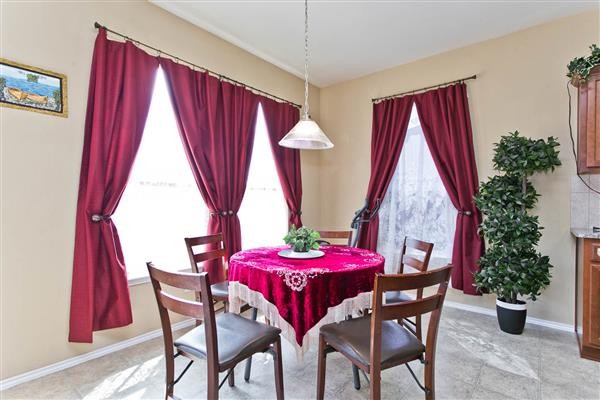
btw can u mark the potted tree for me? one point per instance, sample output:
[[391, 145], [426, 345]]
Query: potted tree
[[511, 266]]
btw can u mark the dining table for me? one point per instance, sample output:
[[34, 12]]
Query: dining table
[[299, 295]]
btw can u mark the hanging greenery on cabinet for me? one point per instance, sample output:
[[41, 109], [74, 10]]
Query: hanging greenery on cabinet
[[580, 67]]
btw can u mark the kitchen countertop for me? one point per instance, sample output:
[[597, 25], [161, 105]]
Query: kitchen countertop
[[585, 233]]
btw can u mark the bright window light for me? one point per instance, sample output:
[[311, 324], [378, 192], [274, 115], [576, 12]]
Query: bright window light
[[264, 213], [161, 204]]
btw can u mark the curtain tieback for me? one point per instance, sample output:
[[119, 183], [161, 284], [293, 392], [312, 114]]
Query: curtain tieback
[[100, 218], [223, 213], [465, 212], [299, 213]]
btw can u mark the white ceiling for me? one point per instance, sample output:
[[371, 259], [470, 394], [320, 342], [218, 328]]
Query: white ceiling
[[348, 39]]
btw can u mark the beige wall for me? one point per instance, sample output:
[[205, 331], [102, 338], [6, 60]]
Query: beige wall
[[520, 85], [41, 157]]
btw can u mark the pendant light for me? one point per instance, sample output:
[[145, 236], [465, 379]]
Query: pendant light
[[306, 134]]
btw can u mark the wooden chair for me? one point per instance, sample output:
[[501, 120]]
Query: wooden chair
[[376, 342], [420, 264], [336, 235], [223, 341], [215, 251]]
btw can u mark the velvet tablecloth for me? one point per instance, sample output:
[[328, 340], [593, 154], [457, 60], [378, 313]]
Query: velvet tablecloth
[[298, 294]]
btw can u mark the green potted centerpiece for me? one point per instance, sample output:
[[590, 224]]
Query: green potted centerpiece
[[579, 68], [304, 243], [511, 266]]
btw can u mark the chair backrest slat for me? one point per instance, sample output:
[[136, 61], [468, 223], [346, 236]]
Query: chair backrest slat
[[419, 280], [181, 280], [407, 258], [336, 235], [209, 255], [202, 240], [410, 308], [188, 308]]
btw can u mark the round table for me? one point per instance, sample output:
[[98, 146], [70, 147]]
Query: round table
[[297, 295]]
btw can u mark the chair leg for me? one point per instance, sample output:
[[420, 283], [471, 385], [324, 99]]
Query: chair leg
[[249, 360], [429, 379], [212, 392], [375, 383], [231, 377], [355, 377], [322, 364], [278, 369], [170, 377], [418, 327]]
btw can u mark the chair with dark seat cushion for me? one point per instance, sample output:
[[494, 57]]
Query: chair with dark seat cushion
[[411, 249], [327, 237], [222, 341], [214, 251], [375, 342]]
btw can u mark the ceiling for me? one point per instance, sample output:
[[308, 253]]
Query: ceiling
[[349, 39]]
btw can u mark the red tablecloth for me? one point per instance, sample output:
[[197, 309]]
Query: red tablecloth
[[303, 291]]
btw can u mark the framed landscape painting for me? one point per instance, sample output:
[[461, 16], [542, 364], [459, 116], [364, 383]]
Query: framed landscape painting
[[33, 89]]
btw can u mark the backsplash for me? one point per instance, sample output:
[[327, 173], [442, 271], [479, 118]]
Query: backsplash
[[585, 204]]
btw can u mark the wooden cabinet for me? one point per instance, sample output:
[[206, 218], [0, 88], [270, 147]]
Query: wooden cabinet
[[587, 312], [588, 123]]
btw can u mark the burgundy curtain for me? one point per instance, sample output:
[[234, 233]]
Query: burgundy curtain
[[280, 118], [444, 115], [121, 83], [390, 122], [216, 121]]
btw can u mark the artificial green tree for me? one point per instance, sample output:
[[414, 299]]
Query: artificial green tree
[[511, 265]]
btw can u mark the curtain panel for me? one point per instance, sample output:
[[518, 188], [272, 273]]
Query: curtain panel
[[390, 121], [216, 121], [120, 90], [446, 124], [445, 120], [280, 118]]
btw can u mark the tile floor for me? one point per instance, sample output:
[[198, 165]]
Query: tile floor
[[474, 361]]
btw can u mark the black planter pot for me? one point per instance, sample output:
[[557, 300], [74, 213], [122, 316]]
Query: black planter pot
[[511, 317]]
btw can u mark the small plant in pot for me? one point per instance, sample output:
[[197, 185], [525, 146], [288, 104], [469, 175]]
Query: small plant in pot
[[302, 239], [511, 266]]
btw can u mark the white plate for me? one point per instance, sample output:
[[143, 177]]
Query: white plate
[[289, 253]]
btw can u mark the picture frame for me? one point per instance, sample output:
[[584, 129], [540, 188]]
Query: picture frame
[[30, 88]]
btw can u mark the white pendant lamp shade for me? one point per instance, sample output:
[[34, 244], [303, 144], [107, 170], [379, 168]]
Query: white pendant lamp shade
[[306, 135]]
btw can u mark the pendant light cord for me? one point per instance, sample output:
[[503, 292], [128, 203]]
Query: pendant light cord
[[306, 114]]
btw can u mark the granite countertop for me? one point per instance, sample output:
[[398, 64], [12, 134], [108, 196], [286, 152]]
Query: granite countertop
[[585, 233]]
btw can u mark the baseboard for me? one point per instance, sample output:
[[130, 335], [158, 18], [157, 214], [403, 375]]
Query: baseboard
[[73, 361], [530, 320]]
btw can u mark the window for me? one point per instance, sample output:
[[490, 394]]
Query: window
[[264, 212], [416, 203], [161, 204]]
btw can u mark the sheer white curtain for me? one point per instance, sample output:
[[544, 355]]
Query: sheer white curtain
[[416, 203]]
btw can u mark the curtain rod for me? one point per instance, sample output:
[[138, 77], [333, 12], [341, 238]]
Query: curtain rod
[[378, 99], [208, 71]]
